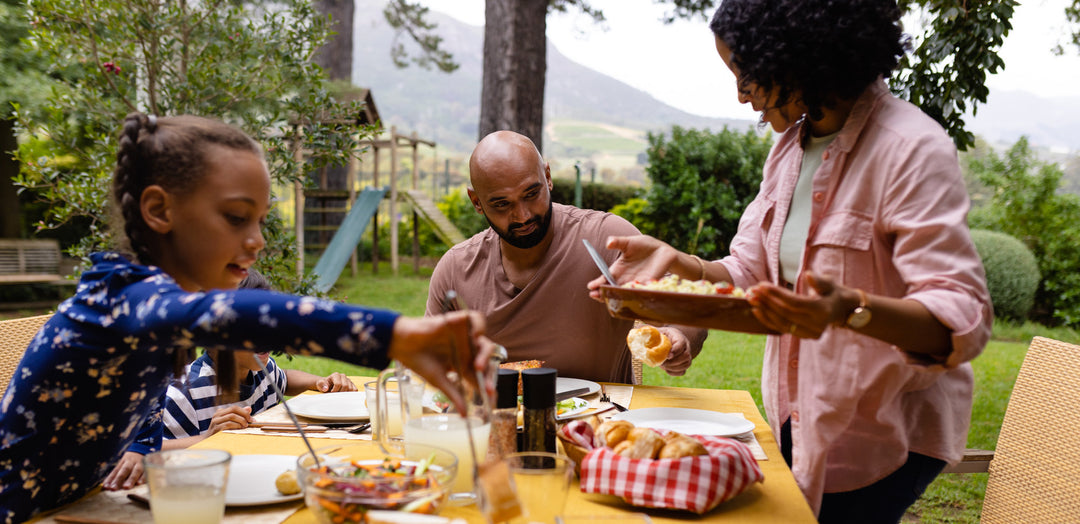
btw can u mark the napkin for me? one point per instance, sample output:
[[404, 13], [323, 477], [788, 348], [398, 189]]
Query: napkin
[[695, 484]]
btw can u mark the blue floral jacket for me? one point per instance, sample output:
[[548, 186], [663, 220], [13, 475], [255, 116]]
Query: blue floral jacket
[[100, 365]]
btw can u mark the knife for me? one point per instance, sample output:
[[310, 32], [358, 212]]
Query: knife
[[599, 262], [570, 394], [305, 425]]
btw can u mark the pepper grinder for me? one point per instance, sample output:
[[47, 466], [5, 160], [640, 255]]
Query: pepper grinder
[[503, 439], [538, 389]]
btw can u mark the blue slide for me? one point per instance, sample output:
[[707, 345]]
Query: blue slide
[[337, 253]]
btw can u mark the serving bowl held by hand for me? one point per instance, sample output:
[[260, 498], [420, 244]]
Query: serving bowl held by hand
[[355, 478], [724, 312]]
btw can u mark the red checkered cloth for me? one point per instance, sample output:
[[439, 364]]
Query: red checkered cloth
[[695, 484]]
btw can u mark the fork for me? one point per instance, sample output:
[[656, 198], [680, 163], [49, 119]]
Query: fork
[[605, 398]]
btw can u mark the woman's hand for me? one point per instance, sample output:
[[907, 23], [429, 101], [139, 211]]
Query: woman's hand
[[805, 316], [429, 346], [334, 382], [643, 258], [230, 417], [127, 474]]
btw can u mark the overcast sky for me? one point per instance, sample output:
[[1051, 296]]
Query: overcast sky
[[678, 64]]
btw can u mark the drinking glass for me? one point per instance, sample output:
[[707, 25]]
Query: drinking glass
[[542, 481], [187, 486], [444, 430]]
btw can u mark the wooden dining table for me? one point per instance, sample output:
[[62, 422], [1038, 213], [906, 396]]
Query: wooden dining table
[[776, 499]]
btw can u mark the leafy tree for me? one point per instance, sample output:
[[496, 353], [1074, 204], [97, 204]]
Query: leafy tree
[[945, 74], [1027, 204], [22, 80], [336, 56], [701, 183], [948, 68], [249, 65]]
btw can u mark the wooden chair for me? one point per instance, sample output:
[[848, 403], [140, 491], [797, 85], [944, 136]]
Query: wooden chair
[[15, 335], [1035, 470]]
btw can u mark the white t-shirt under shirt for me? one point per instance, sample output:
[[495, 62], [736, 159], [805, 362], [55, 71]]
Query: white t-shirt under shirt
[[797, 225]]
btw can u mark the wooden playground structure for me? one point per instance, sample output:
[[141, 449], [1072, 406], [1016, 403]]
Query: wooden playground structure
[[333, 215]]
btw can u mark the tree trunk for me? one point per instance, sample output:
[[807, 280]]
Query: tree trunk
[[9, 199], [336, 55], [515, 68]]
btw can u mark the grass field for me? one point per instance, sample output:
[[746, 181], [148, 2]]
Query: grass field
[[733, 361]]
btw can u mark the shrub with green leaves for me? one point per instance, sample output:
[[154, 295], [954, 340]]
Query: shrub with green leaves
[[701, 184], [601, 197], [247, 63], [1027, 205], [1012, 273]]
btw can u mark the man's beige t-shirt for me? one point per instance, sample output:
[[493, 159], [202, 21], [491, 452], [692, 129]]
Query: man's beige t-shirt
[[552, 318]]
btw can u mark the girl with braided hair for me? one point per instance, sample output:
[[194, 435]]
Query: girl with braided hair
[[192, 194]]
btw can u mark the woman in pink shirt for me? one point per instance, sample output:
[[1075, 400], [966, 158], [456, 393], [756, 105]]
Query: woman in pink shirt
[[856, 250]]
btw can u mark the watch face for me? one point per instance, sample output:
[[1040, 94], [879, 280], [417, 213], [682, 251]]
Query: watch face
[[859, 318]]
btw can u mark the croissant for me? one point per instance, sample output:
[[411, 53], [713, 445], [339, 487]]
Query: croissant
[[611, 432], [681, 446], [623, 448], [646, 444]]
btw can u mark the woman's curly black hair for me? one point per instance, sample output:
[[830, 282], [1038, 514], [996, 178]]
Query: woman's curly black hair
[[826, 50]]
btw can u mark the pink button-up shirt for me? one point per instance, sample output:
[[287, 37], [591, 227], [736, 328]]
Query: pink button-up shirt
[[889, 216]]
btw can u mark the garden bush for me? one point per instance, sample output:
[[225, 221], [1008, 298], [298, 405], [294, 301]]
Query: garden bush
[[1027, 204], [601, 197], [1012, 273], [701, 184]]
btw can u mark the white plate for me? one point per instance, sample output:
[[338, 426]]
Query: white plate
[[567, 384], [345, 406], [580, 406], [251, 480], [689, 421]]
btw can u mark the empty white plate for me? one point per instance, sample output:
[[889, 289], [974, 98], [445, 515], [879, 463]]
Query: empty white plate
[[345, 406], [689, 421], [563, 384]]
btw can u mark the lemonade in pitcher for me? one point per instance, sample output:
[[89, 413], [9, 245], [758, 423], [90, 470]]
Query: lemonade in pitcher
[[449, 431]]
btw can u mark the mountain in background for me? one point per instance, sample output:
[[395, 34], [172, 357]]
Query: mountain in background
[[593, 118], [446, 107], [1052, 123]]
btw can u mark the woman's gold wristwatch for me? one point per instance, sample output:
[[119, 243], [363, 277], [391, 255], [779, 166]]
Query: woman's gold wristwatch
[[860, 316]]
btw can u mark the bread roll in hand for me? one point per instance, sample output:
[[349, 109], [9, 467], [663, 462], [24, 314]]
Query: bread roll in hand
[[649, 345]]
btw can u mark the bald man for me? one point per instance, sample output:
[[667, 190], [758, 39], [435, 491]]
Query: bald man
[[527, 272]]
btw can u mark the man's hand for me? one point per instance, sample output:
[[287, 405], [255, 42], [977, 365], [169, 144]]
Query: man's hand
[[127, 474], [230, 417], [681, 356], [335, 382]]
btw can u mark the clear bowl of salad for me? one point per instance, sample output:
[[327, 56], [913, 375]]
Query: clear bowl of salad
[[352, 479]]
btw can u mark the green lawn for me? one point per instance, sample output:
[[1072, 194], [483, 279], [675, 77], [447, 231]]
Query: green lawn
[[733, 361]]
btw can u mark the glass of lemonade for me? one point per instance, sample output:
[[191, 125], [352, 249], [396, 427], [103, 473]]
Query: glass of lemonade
[[187, 485], [449, 431]]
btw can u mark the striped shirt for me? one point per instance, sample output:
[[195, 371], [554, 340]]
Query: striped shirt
[[190, 406]]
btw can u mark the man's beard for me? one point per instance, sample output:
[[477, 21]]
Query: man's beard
[[530, 240]]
